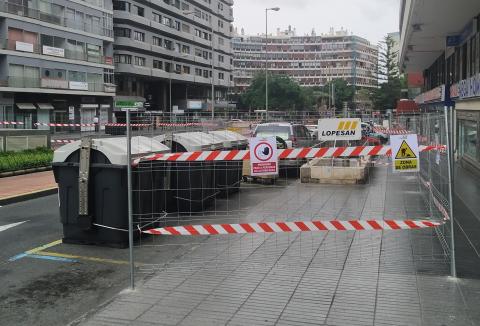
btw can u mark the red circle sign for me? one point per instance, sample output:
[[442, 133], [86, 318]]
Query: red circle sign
[[270, 154]]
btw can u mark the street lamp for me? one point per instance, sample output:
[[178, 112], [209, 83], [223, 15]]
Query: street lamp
[[266, 58], [186, 13]]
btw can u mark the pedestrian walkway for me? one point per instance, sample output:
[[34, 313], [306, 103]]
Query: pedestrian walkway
[[26, 184], [322, 278]]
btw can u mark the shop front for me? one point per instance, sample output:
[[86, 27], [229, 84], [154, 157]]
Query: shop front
[[467, 106]]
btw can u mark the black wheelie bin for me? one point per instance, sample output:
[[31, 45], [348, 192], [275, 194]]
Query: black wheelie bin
[[192, 183], [92, 183]]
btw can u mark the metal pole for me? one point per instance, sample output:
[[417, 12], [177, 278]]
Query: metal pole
[[453, 269], [130, 206], [213, 71], [170, 82], [266, 65]]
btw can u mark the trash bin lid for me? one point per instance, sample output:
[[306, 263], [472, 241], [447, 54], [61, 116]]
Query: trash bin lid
[[194, 141], [115, 149], [230, 138]]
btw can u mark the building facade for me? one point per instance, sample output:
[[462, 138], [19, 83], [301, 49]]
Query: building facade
[[165, 52], [311, 60], [56, 61], [445, 48]]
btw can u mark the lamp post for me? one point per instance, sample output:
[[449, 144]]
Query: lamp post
[[266, 58]]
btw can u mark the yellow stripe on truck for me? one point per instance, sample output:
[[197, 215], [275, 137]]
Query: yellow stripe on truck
[[347, 125], [340, 125], [354, 125]]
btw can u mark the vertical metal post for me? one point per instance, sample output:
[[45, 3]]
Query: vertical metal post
[[130, 206], [266, 65], [453, 269], [213, 71], [170, 87]]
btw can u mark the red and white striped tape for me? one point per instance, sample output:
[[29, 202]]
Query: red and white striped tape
[[62, 141], [283, 154], [11, 123], [391, 131], [187, 124], [285, 227], [436, 202], [65, 124], [131, 125]]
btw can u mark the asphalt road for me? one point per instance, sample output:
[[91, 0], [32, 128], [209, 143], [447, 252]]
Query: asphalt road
[[61, 284], [38, 291]]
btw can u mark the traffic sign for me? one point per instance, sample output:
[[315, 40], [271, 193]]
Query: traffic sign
[[263, 156], [405, 153]]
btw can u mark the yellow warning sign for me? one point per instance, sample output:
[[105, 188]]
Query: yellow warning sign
[[404, 152], [406, 165]]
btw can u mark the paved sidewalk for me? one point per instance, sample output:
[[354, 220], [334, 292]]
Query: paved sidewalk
[[349, 278], [26, 185]]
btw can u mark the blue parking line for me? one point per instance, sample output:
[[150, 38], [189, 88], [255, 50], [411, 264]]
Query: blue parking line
[[23, 255], [62, 259], [17, 257]]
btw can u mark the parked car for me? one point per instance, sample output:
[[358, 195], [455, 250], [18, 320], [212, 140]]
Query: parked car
[[294, 135]]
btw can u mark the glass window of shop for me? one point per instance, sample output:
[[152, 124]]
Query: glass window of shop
[[468, 139], [6, 114]]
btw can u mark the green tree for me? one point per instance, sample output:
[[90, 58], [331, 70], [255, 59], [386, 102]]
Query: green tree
[[284, 94], [343, 91], [386, 96]]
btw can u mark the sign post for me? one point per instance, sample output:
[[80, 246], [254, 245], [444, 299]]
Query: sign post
[[263, 156], [405, 153]]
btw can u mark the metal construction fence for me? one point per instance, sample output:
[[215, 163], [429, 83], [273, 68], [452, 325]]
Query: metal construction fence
[[329, 207]]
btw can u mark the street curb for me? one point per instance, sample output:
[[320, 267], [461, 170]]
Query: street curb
[[28, 196], [25, 171]]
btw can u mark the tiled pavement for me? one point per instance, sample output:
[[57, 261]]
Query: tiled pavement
[[335, 278]]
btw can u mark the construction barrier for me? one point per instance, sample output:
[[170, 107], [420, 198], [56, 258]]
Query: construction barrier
[[11, 123], [285, 227], [391, 131], [284, 154]]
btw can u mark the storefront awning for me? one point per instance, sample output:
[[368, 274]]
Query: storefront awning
[[26, 106], [45, 106]]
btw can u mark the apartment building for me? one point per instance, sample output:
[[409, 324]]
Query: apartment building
[[167, 53], [312, 60], [56, 61]]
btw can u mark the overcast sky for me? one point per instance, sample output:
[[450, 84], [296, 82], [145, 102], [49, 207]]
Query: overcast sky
[[370, 19]]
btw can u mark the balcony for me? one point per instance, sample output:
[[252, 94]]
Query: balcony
[[51, 83], [23, 11], [12, 45]]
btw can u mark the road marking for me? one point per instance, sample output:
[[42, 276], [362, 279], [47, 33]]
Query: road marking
[[96, 259], [48, 245], [62, 259], [8, 226], [34, 250]]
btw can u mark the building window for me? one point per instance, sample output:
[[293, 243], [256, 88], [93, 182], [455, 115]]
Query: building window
[[123, 58], [205, 73], [167, 21], [178, 69], [157, 17], [157, 64], [122, 32], [198, 72], [469, 139], [177, 25], [108, 76], [168, 44], [121, 5], [140, 61], [221, 75], [139, 36], [168, 67], [139, 11], [221, 41], [186, 70], [185, 49], [185, 6], [156, 41], [220, 58]]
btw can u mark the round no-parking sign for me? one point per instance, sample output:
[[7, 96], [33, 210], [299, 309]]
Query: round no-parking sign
[[263, 156]]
